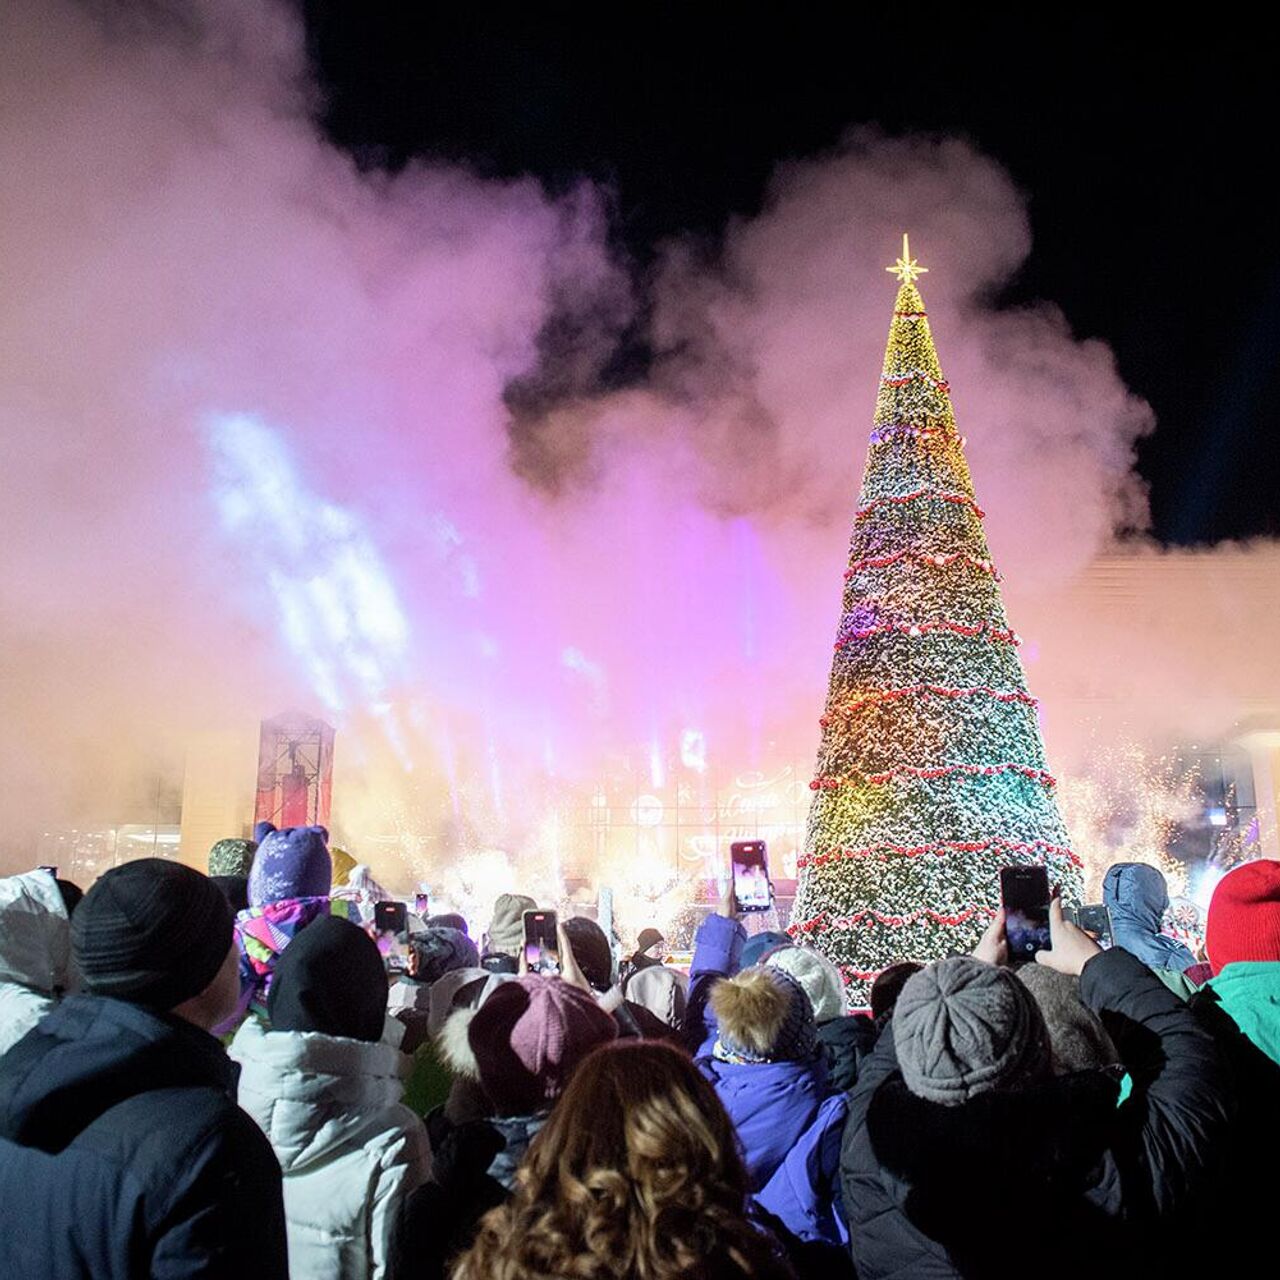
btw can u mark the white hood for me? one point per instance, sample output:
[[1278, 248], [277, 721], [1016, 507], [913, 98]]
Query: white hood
[[35, 934], [311, 1093]]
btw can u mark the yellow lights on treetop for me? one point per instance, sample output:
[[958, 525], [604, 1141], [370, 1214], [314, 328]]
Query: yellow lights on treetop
[[906, 268]]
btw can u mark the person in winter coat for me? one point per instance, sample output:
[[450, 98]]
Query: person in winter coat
[[845, 1038], [326, 1089], [595, 959], [122, 1150], [288, 889], [433, 952], [887, 987], [456, 1095], [35, 952], [768, 1069], [528, 1038], [504, 938], [1240, 1008], [635, 1174], [963, 1151], [1136, 898], [663, 992]]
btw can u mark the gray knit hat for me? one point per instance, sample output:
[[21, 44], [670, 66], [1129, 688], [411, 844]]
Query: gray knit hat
[[505, 934], [962, 1027]]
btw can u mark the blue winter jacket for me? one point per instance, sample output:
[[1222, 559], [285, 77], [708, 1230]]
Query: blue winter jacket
[[1136, 898], [717, 952], [790, 1123]]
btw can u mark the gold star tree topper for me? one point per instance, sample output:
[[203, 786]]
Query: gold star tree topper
[[906, 268]]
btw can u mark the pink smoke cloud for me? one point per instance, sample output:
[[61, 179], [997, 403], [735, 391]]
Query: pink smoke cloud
[[580, 582]]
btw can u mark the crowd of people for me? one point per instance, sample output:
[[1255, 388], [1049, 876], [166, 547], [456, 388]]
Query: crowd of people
[[217, 1076]]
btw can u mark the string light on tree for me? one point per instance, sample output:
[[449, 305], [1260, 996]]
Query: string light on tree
[[931, 774]]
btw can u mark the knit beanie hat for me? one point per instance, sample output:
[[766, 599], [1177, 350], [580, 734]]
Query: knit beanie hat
[[439, 950], [1244, 915], [449, 920], [962, 1027], [343, 865], [888, 985], [759, 945], [528, 1037], [763, 1015], [1077, 1039], [152, 932], [293, 863], [330, 980], [819, 978], [231, 857], [648, 938], [591, 950], [506, 930]]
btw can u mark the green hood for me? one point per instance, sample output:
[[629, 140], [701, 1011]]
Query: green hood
[[1249, 991]]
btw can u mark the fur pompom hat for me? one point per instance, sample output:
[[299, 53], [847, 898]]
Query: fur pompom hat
[[763, 1015]]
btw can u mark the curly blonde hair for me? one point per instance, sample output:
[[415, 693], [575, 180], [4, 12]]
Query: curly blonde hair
[[636, 1174]]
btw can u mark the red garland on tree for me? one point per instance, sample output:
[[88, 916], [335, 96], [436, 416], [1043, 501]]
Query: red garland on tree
[[930, 742]]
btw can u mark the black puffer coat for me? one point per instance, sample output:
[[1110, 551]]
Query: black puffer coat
[[123, 1154], [847, 1043], [1009, 1180]]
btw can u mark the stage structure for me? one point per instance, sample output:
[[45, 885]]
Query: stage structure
[[295, 771], [931, 771]]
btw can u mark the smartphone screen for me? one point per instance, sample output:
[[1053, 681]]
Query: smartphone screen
[[541, 946], [390, 922], [1025, 891], [390, 917], [1095, 920], [750, 862], [422, 905]]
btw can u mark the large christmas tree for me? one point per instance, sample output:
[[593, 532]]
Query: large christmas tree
[[931, 774]]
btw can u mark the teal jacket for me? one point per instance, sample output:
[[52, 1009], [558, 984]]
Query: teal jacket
[[1249, 992]]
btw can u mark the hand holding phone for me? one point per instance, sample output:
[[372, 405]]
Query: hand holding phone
[[541, 943], [390, 921], [752, 890], [1072, 947], [1025, 893], [993, 946]]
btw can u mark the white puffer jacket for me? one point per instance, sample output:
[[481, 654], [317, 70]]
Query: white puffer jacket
[[349, 1149], [35, 952]]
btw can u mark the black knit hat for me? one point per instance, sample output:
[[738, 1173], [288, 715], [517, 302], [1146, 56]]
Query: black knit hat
[[330, 979], [151, 932], [591, 950]]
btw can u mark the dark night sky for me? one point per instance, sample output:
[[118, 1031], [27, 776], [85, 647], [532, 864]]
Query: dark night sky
[[1147, 155]]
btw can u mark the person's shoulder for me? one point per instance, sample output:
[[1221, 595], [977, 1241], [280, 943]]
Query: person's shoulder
[[163, 1133]]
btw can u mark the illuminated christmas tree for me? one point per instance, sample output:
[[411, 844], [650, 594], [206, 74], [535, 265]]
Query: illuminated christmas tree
[[931, 774]]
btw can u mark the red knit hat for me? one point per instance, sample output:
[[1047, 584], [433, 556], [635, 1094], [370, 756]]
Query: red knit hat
[[1244, 915]]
